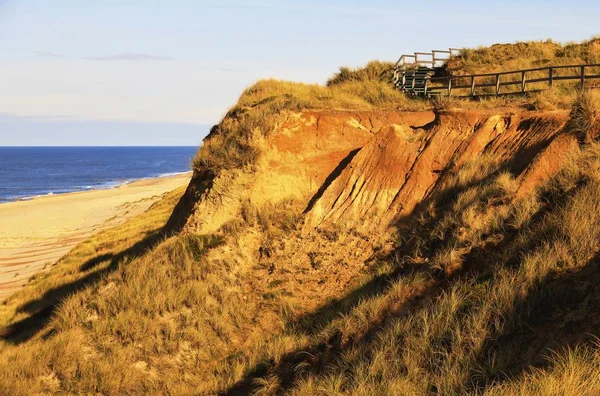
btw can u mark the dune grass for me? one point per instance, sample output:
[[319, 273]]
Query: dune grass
[[573, 372], [89, 261], [474, 278], [455, 308], [141, 310], [528, 55], [584, 114], [372, 71], [524, 55], [480, 293]]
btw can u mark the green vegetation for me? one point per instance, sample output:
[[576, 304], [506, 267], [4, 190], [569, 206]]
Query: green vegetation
[[139, 309], [90, 262], [467, 300], [462, 304], [481, 291], [573, 373]]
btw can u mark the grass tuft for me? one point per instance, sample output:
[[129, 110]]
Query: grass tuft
[[584, 114], [373, 71]]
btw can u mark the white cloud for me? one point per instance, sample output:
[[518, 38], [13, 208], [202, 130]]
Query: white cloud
[[49, 54], [130, 57]]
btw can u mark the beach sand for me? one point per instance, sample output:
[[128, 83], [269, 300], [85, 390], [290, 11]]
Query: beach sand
[[35, 234]]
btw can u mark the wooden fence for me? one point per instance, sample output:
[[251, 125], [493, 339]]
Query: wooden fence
[[528, 80]]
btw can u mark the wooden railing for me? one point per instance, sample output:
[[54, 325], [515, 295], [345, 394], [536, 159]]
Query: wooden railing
[[528, 80], [431, 58]]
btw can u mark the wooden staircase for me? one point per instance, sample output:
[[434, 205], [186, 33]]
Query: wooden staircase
[[412, 76], [415, 81]]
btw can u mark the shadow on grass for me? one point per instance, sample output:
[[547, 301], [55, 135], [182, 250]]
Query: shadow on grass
[[40, 310], [319, 357], [316, 358], [561, 311], [88, 265]]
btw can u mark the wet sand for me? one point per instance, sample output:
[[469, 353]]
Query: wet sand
[[35, 234]]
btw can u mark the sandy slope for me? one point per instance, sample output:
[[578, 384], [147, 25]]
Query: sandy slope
[[36, 233]]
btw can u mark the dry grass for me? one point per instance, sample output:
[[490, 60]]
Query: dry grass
[[464, 303], [437, 314], [373, 71], [89, 260], [467, 292], [524, 55], [553, 99], [584, 114], [573, 372], [136, 311]]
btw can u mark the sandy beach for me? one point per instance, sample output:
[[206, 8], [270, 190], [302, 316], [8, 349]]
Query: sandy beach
[[34, 234]]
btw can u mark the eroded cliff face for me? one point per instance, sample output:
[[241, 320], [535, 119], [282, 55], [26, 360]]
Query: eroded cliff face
[[298, 161], [403, 165], [353, 177], [365, 170]]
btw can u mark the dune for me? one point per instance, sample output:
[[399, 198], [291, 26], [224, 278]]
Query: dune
[[35, 234]]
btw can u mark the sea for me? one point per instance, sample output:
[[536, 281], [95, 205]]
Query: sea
[[28, 172]]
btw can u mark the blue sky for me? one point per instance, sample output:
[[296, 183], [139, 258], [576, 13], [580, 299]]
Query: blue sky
[[153, 72]]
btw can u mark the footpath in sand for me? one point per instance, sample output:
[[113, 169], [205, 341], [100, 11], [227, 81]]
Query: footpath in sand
[[35, 234]]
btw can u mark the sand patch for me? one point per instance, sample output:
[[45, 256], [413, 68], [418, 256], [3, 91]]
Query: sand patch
[[35, 234]]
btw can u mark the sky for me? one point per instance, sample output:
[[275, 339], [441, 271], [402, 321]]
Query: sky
[[161, 72]]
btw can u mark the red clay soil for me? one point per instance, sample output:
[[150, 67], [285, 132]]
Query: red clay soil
[[401, 166]]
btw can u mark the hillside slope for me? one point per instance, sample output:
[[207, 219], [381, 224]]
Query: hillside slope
[[339, 240]]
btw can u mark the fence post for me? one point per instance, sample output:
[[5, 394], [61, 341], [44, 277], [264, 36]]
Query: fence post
[[449, 86], [523, 82], [497, 84], [582, 77], [551, 76], [416, 58], [472, 86]]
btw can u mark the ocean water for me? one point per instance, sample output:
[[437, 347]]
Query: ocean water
[[27, 172]]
